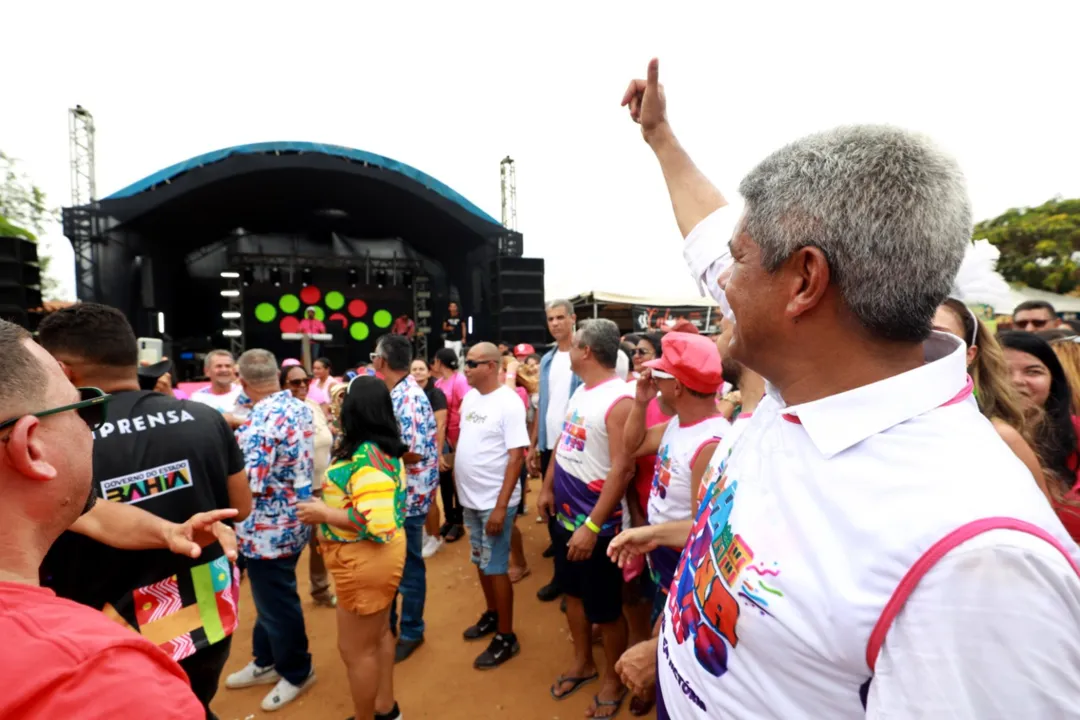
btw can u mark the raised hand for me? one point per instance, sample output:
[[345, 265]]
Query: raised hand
[[645, 390], [645, 99]]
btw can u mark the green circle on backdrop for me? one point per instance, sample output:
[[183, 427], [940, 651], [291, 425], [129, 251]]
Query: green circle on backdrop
[[334, 300], [289, 303], [359, 330], [382, 318], [265, 312], [319, 314]]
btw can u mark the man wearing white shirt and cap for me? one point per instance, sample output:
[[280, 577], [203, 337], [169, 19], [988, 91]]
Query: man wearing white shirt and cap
[[869, 547]]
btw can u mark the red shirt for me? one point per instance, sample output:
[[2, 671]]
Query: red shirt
[[65, 660]]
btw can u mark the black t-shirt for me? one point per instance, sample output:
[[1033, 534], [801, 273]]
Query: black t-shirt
[[435, 396], [454, 333], [169, 457]]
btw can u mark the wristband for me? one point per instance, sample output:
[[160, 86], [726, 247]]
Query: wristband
[[592, 526]]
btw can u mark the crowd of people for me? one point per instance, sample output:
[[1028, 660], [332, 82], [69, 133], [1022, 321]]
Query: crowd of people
[[858, 500]]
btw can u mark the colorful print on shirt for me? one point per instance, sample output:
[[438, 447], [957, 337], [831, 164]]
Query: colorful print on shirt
[[371, 487], [704, 598], [277, 440], [187, 612], [417, 424], [583, 458]]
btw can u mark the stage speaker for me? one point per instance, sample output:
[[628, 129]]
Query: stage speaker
[[518, 300], [20, 282]]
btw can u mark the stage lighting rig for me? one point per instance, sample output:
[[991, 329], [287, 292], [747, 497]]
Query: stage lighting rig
[[249, 276], [275, 276], [305, 277], [407, 278], [354, 277], [381, 278]]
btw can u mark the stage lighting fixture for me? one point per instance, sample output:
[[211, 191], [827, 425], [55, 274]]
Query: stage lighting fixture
[[232, 332], [230, 293], [305, 277], [381, 278], [229, 274], [354, 277], [249, 276], [406, 278], [275, 276], [230, 315]]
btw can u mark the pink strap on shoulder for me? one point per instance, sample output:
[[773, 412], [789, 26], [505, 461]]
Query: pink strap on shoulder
[[931, 557]]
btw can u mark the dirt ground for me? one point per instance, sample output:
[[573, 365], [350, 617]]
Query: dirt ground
[[438, 682]]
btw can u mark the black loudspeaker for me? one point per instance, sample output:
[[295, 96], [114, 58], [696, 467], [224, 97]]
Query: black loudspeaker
[[518, 307], [20, 282]]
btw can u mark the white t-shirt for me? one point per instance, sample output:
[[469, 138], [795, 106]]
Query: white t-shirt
[[559, 378], [491, 426], [222, 403]]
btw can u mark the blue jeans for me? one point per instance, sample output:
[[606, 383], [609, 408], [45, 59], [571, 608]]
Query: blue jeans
[[413, 587], [279, 639]]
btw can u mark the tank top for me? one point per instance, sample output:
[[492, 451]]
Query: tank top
[[582, 455], [669, 497]]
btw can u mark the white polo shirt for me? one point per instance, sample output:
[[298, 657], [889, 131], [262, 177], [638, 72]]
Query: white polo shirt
[[808, 525]]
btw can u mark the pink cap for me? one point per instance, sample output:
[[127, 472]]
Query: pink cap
[[691, 359]]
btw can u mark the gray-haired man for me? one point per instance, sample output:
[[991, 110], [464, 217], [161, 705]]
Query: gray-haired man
[[868, 516]]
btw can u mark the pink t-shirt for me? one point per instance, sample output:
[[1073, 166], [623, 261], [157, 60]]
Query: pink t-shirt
[[523, 395], [311, 326], [454, 388], [317, 395]]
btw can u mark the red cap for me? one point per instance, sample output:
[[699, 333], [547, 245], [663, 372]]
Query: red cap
[[692, 359], [685, 326], [523, 350]]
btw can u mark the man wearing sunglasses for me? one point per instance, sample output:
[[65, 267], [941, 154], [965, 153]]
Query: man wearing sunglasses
[[1035, 315], [62, 659], [172, 458]]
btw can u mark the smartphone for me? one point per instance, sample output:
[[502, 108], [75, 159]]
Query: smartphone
[[150, 351]]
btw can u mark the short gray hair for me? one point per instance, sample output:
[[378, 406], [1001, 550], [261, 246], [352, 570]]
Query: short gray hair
[[396, 350], [258, 367], [602, 337], [560, 303], [889, 210], [209, 359]]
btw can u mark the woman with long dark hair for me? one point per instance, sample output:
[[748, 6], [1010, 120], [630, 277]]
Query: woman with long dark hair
[[1040, 380], [360, 518]]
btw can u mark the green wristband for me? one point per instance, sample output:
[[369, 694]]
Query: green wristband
[[591, 525]]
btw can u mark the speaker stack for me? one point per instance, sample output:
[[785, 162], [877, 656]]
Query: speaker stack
[[519, 300], [20, 282]]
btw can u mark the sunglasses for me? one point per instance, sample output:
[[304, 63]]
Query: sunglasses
[[640, 352], [297, 382], [91, 408], [1037, 324], [473, 364]]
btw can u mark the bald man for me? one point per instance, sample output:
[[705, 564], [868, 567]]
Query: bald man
[[490, 453]]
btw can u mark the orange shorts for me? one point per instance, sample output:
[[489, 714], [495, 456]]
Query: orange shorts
[[366, 574]]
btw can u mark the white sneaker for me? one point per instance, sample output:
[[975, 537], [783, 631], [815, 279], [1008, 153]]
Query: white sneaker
[[432, 545], [252, 674], [285, 692]]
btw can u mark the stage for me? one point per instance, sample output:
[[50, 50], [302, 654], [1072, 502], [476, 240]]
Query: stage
[[228, 249]]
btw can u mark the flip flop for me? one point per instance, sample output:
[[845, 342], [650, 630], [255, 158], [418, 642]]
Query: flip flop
[[520, 575], [577, 683], [617, 704]]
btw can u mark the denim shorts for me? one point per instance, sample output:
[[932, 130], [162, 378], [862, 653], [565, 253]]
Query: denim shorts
[[490, 553]]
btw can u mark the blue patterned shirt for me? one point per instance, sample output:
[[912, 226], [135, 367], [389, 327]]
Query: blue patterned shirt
[[417, 423], [277, 440]]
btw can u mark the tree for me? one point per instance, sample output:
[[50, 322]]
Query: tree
[[25, 213], [1040, 246]]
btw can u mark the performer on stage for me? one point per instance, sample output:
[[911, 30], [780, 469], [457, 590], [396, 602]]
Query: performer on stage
[[311, 325]]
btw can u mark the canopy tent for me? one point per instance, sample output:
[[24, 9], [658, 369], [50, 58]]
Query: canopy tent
[[1021, 293], [645, 314]]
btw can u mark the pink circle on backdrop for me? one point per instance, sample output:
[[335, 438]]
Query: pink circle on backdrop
[[357, 308], [290, 324], [310, 295]]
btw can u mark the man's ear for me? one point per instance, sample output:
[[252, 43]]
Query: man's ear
[[69, 373], [26, 451]]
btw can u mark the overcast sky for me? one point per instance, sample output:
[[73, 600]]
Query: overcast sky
[[452, 88]]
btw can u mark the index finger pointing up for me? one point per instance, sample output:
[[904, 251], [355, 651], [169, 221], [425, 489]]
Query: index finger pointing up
[[653, 77]]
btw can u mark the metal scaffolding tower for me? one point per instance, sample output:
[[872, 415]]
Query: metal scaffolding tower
[[79, 223], [509, 193]]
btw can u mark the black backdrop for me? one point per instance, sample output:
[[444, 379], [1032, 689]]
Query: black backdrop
[[353, 315]]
